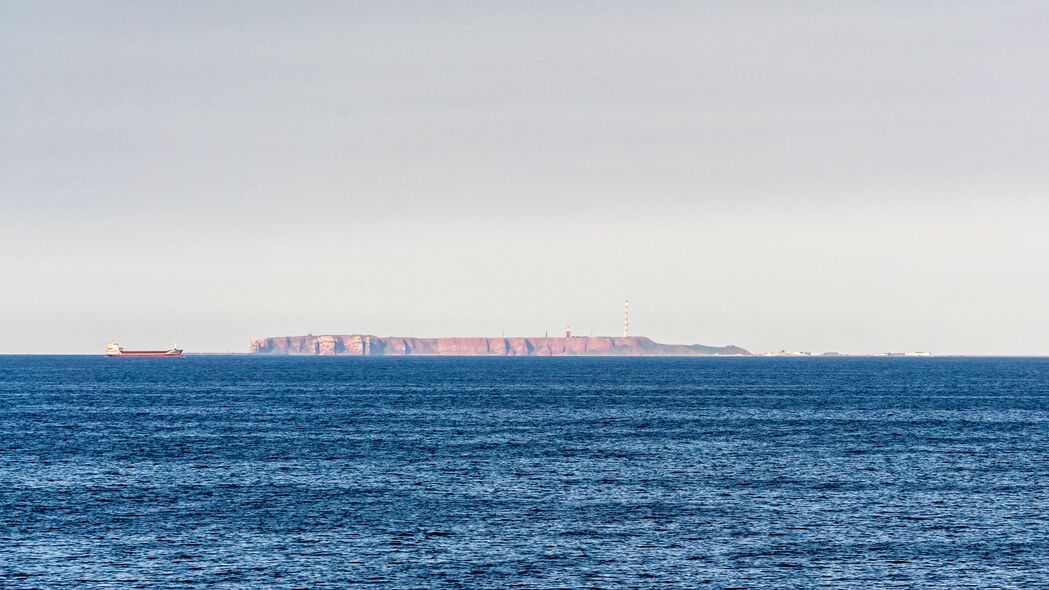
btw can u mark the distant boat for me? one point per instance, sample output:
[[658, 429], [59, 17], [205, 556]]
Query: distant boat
[[114, 349]]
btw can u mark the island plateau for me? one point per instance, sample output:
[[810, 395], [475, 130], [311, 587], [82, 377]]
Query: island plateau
[[366, 345]]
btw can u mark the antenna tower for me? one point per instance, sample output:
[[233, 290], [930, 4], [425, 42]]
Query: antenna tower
[[626, 318]]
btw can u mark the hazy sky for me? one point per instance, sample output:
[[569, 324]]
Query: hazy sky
[[852, 176]]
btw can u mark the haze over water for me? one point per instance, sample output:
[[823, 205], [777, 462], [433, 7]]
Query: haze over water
[[854, 177], [278, 472]]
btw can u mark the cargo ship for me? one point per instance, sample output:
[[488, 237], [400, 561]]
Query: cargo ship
[[114, 349]]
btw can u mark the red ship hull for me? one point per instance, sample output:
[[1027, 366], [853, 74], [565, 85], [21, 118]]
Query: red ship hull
[[146, 353], [115, 350]]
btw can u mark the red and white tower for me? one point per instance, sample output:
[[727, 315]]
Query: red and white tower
[[626, 318]]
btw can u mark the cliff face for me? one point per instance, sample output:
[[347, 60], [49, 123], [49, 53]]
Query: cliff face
[[364, 345]]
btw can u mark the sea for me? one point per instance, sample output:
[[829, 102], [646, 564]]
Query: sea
[[419, 472]]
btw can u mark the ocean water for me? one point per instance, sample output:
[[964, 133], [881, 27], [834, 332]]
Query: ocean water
[[270, 472]]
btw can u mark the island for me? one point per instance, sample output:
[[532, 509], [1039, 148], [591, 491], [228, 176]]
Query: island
[[367, 345]]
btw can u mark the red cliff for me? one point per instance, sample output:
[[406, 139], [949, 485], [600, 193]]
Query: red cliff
[[364, 345]]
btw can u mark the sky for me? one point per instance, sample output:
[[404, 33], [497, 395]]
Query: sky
[[820, 176]]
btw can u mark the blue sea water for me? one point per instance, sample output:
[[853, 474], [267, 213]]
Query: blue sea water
[[273, 472]]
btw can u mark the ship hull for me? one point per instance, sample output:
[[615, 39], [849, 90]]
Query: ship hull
[[146, 354]]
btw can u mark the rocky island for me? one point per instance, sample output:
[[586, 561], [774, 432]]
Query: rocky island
[[366, 345]]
